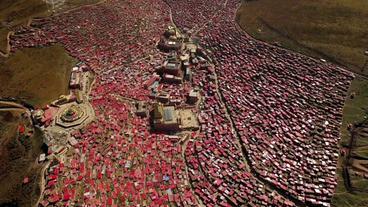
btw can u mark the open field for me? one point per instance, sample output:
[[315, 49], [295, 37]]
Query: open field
[[14, 13], [355, 108], [343, 198], [354, 111], [331, 29], [37, 75]]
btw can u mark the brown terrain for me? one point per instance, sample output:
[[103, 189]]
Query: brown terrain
[[18, 152]]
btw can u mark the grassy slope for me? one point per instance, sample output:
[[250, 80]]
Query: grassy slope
[[3, 40], [15, 12], [354, 108], [330, 29], [353, 111], [38, 75], [17, 161]]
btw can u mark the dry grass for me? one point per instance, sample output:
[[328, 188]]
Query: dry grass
[[37, 75], [3, 39], [354, 111], [330, 29], [16, 12], [17, 161]]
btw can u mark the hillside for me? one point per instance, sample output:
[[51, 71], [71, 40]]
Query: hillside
[[332, 29]]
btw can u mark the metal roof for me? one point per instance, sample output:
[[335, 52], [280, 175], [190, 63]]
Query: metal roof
[[168, 114]]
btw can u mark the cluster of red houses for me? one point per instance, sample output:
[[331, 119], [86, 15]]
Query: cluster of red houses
[[287, 108], [217, 168], [183, 12], [118, 162], [105, 36], [277, 147], [126, 81]]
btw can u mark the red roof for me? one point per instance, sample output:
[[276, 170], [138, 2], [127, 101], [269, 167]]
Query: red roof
[[54, 198], [26, 180], [21, 129]]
